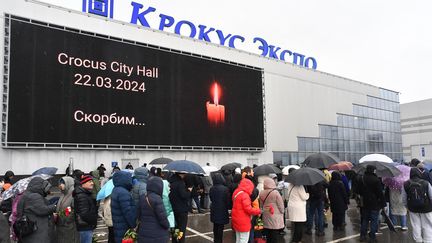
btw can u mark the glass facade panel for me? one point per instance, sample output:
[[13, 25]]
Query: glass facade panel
[[373, 128]]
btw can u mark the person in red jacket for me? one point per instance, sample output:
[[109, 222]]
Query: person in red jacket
[[242, 210]]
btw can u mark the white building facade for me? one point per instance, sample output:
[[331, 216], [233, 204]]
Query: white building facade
[[304, 110], [416, 123]]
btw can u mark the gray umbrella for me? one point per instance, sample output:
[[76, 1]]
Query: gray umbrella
[[321, 160], [305, 176], [382, 169], [266, 170], [161, 161]]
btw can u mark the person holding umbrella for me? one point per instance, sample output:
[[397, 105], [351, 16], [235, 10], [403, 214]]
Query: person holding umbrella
[[371, 191], [180, 197], [296, 204], [338, 200]]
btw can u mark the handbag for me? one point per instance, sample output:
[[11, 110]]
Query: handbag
[[23, 226]]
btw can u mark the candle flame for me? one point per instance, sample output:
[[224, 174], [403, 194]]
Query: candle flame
[[216, 93]]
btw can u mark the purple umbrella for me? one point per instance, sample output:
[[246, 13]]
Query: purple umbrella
[[398, 181]]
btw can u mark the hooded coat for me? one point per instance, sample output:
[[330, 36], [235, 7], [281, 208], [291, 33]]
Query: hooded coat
[[272, 201], [417, 177], [65, 227], [123, 208], [242, 207], [167, 203], [34, 205], [337, 194], [140, 187], [179, 195], [220, 197], [154, 223], [371, 189]]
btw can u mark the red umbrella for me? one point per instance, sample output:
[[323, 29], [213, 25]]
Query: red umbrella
[[341, 166]]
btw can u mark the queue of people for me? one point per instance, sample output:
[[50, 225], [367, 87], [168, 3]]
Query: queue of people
[[156, 205]]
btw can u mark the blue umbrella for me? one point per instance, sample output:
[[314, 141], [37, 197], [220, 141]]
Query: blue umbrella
[[184, 166], [45, 171], [106, 190]]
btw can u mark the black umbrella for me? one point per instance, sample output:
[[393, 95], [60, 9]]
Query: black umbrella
[[184, 166], [320, 160], [305, 176], [382, 169], [266, 170], [231, 166], [161, 161]]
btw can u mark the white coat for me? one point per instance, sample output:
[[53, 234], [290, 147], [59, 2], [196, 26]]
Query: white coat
[[297, 203]]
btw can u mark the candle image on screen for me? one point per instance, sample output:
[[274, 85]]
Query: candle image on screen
[[215, 111]]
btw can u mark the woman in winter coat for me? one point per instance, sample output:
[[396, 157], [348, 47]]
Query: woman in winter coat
[[107, 217], [123, 209], [398, 209], [141, 175], [338, 200], [34, 205], [273, 210], [153, 219], [167, 203], [297, 198], [65, 225], [220, 197], [242, 210]]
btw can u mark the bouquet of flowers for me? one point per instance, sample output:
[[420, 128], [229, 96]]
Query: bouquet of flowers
[[130, 236], [177, 234], [65, 213], [259, 224]]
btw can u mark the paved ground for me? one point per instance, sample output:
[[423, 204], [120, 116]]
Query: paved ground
[[200, 230]]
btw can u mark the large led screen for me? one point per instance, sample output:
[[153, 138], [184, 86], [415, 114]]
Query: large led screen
[[68, 87]]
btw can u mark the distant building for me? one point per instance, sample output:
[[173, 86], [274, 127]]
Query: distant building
[[416, 122]]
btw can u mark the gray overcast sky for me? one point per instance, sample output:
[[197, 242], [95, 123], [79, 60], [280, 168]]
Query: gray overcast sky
[[387, 43]]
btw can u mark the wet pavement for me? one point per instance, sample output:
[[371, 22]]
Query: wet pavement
[[200, 230]]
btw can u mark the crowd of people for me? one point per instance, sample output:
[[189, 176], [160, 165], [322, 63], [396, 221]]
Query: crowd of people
[[152, 206]]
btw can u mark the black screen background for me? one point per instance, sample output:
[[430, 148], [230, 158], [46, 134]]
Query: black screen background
[[43, 98]]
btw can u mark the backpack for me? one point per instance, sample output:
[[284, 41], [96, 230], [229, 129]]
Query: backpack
[[417, 196]]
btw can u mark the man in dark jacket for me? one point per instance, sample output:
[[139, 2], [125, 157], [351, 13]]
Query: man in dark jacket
[[180, 201], [34, 205], [371, 191], [123, 209], [85, 209], [153, 219], [317, 196], [420, 208], [220, 197]]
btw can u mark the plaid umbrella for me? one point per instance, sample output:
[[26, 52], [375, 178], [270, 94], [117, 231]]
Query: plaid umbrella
[[20, 186]]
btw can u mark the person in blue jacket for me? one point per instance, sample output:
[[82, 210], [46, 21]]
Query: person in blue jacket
[[123, 208], [153, 219], [140, 187]]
